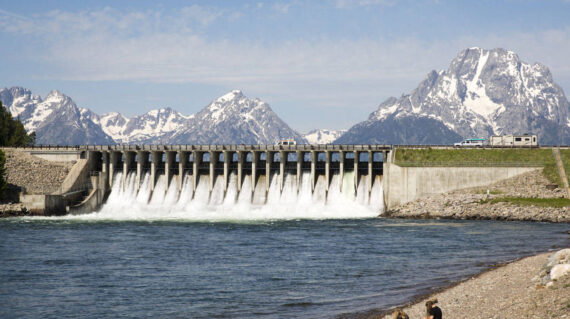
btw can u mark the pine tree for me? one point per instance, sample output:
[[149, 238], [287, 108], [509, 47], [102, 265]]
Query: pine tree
[[12, 131]]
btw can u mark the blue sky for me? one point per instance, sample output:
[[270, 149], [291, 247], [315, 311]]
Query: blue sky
[[319, 64]]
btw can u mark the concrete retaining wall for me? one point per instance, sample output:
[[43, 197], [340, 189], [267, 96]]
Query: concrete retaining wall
[[95, 199], [78, 176], [44, 204], [57, 156], [405, 184]]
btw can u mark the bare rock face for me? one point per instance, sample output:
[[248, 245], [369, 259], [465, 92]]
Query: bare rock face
[[483, 92]]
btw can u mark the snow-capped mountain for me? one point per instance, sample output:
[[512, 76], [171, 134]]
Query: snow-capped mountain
[[233, 119], [322, 136], [55, 119], [483, 92], [149, 128]]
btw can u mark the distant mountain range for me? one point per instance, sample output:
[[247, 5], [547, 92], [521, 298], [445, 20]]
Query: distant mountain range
[[482, 93], [231, 119], [322, 136]]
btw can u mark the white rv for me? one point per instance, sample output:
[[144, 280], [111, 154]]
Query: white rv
[[514, 140]]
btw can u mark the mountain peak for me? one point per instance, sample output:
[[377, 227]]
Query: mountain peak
[[483, 92], [233, 94], [55, 93], [56, 96]]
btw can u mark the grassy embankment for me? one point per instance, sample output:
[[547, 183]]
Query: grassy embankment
[[565, 156], [493, 157]]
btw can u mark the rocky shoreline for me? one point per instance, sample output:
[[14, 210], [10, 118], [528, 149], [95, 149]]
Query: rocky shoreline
[[518, 289], [13, 210], [476, 203]]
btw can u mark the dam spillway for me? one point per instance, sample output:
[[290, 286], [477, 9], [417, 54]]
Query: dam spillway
[[168, 202], [243, 182]]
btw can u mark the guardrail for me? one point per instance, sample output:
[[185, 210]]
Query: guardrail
[[242, 147]]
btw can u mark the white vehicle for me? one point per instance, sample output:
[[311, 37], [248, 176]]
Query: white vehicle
[[514, 140], [289, 141], [471, 142]]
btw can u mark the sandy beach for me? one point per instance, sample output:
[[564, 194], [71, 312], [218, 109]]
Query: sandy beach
[[509, 291]]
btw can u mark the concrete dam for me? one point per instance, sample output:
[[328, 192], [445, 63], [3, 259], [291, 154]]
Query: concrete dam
[[257, 181], [249, 181]]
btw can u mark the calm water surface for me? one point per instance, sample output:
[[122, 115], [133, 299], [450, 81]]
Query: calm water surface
[[283, 269]]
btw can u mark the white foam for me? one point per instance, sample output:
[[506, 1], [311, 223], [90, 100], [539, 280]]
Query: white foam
[[168, 203]]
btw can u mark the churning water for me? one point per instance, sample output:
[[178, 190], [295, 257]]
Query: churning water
[[249, 254], [167, 202]]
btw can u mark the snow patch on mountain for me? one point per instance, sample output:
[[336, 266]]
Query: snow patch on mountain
[[231, 118], [482, 93], [235, 118], [323, 136]]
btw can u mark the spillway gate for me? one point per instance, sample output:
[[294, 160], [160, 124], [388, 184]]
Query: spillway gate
[[247, 161]]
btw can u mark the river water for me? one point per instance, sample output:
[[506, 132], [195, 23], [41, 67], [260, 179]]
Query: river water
[[101, 268]]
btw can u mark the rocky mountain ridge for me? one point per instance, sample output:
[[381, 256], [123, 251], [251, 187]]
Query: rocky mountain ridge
[[232, 118], [482, 93]]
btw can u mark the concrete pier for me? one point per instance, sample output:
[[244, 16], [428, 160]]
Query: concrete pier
[[300, 159], [356, 161], [213, 161], [156, 158], [169, 167], [240, 160], [282, 162], [227, 159], [197, 157], [182, 162], [142, 162]]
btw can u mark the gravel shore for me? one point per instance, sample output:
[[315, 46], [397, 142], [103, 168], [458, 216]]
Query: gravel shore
[[510, 291], [470, 203]]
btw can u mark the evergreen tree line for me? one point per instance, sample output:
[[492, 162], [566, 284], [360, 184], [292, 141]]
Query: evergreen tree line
[[12, 133]]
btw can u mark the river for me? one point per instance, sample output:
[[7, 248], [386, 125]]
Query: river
[[68, 267]]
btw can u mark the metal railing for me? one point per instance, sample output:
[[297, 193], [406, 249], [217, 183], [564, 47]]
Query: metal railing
[[260, 147], [241, 147]]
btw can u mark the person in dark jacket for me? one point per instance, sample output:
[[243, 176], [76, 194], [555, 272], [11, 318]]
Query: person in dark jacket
[[432, 311]]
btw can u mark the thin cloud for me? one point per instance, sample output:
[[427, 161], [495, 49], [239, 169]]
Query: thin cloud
[[341, 4], [282, 7], [163, 47]]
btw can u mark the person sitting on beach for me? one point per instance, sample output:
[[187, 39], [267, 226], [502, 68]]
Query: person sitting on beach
[[400, 314], [432, 311]]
